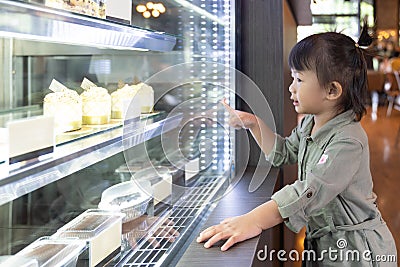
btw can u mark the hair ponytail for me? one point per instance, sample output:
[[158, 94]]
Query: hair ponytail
[[357, 96], [365, 39]]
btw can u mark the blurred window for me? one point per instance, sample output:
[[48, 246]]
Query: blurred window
[[342, 16]]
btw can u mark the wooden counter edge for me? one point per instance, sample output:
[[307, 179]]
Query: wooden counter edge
[[234, 203]]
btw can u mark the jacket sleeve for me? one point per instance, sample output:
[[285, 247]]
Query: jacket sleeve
[[285, 149], [326, 179]]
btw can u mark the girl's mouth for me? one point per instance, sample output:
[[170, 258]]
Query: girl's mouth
[[295, 103]]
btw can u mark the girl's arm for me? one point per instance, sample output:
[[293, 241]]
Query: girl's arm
[[261, 132], [240, 228]]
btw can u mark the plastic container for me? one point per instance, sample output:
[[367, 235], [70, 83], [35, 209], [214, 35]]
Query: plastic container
[[49, 252], [152, 173], [101, 230], [13, 260], [126, 171], [161, 181], [129, 198]]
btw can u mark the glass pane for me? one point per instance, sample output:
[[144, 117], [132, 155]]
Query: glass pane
[[346, 25], [334, 7], [29, 65]]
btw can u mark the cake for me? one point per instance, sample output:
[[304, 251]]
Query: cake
[[146, 95], [96, 106], [45, 253], [120, 100], [88, 223], [102, 9], [87, 7], [55, 3], [66, 108]]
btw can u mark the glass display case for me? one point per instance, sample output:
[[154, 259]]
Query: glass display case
[[179, 151]]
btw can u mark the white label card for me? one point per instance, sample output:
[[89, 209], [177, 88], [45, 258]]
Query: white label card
[[56, 86], [121, 9], [30, 138], [192, 169], [87, 84]]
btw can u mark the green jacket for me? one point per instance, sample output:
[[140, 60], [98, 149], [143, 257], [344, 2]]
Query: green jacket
[[333, 195]]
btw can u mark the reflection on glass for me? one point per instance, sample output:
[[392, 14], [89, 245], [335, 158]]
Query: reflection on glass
[[43, 211], [146, 227]]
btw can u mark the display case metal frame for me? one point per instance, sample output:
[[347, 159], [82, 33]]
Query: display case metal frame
[[39, 23], [102, 37], [29, 21], [76, 155]]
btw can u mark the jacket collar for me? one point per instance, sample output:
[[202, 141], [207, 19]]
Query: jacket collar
[[326, 131]]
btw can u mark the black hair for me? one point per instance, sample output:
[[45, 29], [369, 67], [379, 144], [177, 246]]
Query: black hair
[[336, 57]]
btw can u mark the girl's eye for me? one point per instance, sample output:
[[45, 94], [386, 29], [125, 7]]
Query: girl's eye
[[299, 80]]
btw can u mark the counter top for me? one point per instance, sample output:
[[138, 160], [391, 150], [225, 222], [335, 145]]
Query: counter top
[[236, 202]]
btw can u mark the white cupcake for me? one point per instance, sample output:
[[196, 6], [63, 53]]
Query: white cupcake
[[146, 95], [66, 108], [96, 106], [120, 100]]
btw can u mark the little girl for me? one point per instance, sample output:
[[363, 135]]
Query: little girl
[[333, 195]]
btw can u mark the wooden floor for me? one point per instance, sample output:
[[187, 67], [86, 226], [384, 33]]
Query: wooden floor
[[385, 165]]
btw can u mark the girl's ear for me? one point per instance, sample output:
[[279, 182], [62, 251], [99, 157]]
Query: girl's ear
[[335, 91]]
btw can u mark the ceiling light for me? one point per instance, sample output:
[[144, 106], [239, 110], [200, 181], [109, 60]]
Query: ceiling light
[[155, 13], [146, 14], [141, 8], [150, 5], [151, 9]]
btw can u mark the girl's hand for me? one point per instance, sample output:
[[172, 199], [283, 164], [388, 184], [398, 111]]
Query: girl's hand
[[235, 229], [239, 119]]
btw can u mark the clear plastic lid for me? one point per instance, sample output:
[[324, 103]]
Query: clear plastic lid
[[13, 260], [152, 173], [125, 195], [52, 252], [133, 167], [130, 198], [89, 224]]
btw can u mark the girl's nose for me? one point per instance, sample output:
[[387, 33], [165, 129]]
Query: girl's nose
[[292, 88]]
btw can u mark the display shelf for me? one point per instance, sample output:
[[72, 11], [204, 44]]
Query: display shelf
[[75, 155], [39, 23]]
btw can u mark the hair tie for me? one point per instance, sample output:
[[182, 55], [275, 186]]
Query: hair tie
[[357, 45]]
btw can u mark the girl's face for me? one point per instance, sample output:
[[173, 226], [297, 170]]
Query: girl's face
[[307, 95]]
